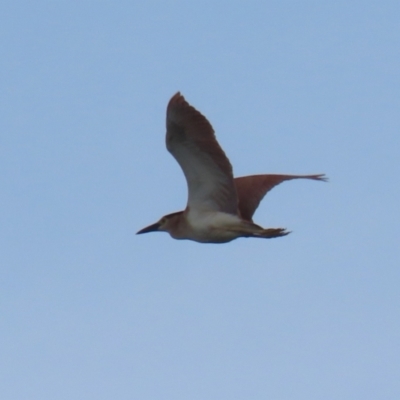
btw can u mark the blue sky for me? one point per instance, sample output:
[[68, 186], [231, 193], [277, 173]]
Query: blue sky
[[90, 310]]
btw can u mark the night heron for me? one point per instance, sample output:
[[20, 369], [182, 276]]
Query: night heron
[[220, 207]]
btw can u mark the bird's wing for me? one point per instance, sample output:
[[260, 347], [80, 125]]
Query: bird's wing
[[252, 189], [190, 139]]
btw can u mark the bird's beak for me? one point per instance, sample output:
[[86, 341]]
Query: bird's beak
[[150, 228]]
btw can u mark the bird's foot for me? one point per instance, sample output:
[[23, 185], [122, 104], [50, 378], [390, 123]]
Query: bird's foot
[[273, 233]]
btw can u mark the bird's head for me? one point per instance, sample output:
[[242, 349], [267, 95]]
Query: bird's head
[[168, 223]]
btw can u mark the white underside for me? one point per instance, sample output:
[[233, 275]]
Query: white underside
[[213, 227]]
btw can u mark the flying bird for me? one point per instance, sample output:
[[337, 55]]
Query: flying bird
[[220, 207]]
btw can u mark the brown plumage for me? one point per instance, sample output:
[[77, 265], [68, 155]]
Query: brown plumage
[[252, 189], [219, 208]]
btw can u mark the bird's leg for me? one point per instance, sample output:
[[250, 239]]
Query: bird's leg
[[272, 233], [249, 229]]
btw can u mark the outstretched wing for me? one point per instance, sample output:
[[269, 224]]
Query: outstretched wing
[[190, 139], [252, 189]]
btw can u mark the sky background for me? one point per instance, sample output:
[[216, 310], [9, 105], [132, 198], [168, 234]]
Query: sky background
[[89, 310]]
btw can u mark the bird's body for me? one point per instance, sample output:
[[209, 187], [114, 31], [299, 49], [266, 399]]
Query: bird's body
[[220, 208], [218, 227], [207, 227]]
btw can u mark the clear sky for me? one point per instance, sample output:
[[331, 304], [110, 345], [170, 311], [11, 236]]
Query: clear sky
[[89, 310]]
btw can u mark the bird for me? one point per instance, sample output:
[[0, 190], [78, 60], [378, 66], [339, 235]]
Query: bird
[[220, 207]]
